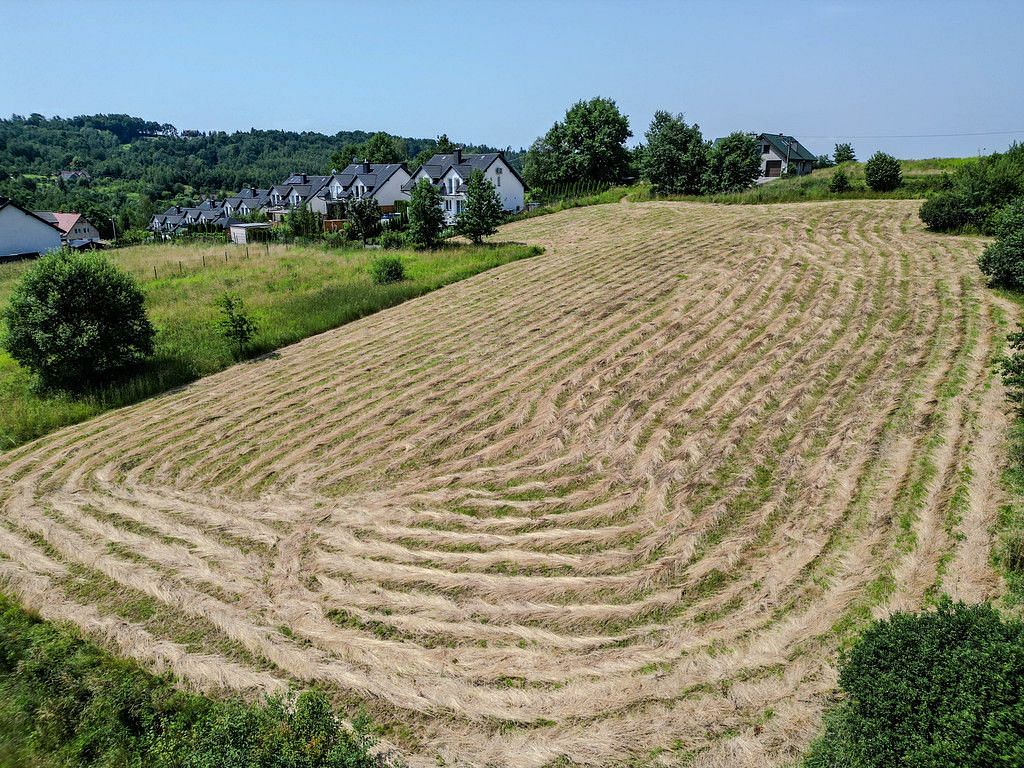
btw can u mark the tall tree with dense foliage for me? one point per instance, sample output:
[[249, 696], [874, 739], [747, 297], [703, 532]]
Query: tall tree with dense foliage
[[363, 214], [589, 145], [733, 163], [844, 154], [303, 221], [675, 156], [482, 212], [426, 219], [381, 147], [75, 320], [883, 172]]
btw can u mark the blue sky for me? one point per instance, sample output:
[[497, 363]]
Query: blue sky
[[502, 72]]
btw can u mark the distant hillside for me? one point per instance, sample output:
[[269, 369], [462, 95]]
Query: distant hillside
[[136, 164]]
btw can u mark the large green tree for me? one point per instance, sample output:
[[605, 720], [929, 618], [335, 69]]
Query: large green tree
[[76, 319], [588, 146], [426, 219], [733, 163], [381, 147], [674, 158], [363, 214], [482, 212]]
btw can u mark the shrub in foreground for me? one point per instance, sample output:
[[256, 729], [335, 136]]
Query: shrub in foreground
[[387, 269], [1003, 260], [941, 688], [883, 173], [75, 319], [64, 701], [839, 182]]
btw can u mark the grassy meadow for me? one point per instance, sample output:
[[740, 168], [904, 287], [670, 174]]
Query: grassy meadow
[[292, 292]]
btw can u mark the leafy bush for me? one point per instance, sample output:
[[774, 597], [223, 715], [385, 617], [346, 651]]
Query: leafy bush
[[387, 269], [236, 324], [941, 688], [839, 182], [976, 192], [1003, 260], [65, 701], [75, 319], [882, 172], [392, 239]]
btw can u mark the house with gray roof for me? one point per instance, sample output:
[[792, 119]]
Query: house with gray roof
[[384, 182], [450, 172], [781, 154]]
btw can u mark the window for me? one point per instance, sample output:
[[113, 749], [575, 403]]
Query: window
[[765, 149], [497, 172], [447, 205]]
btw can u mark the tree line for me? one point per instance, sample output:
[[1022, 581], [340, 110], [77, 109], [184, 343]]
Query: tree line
[[589, 145]]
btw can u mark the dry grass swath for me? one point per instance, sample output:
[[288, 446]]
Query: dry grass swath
[[619, 502]]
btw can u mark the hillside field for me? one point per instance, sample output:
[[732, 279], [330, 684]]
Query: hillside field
[[292, 291], [620, 503]]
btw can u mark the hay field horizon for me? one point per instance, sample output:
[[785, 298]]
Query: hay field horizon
[[620, 503]]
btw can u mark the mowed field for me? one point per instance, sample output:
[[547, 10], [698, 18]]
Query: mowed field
[[620, 503]]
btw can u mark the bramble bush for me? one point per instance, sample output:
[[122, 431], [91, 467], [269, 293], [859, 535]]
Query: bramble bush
[[76, 319], [1003, 260], [937, 689], [976, 192], [66, 702]]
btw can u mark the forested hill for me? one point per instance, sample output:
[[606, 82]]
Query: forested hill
[[136, 165]]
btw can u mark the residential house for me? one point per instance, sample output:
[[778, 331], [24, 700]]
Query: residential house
[[450, 172], [781, 154], [67, 175], [23, 233], [384, 182], [76, 231]]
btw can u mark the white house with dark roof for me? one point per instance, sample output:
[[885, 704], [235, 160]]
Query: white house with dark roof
[[450, 172], [781, 154], [23, 233], [384, 182]]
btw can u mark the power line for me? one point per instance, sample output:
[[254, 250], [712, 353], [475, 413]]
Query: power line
[[917, 135]]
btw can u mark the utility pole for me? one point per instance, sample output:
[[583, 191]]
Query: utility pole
[[114, 227]]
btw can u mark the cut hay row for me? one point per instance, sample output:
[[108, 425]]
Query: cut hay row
[[619, 502]]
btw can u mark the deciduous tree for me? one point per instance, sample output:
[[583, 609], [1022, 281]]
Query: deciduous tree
[[426, 219], [675, 157]]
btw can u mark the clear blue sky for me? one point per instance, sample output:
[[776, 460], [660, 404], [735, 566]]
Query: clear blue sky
[[502, 72]]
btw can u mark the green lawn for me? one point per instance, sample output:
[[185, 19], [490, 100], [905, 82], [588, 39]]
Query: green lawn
[[293, 292]]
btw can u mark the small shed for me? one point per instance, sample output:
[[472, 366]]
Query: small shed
[[255, 232]]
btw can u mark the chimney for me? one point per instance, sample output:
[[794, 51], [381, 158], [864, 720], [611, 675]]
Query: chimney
[[304, 177], [458, 155], [366, 166], [252, 191]]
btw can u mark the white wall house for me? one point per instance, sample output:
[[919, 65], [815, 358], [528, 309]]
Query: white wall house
[[22, 233], [451, 172], [381, 181], [76, 231], [780, 153]]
